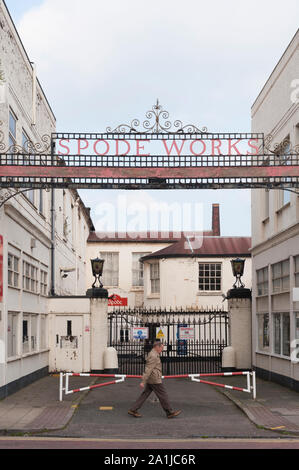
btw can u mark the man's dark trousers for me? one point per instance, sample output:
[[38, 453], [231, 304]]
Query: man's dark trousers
[[161, 393]]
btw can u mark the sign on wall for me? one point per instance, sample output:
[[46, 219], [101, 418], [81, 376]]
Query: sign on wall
[[140, 332], [1, 268], [186, 332], [117, 301]]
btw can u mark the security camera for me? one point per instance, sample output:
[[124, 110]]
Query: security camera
[[64, 272]]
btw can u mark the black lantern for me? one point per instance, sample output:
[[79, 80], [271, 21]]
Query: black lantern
[[238, 271], [97, 266]]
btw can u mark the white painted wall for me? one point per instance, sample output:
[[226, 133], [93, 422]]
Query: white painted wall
[[21, 221], [276, 237], [125, 249], [179, 283]]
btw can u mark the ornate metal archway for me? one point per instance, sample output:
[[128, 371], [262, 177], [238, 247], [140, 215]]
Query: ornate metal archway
[[44, 165]]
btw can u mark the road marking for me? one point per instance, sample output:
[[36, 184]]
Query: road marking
[[106, 408], [74, 406], [278, 427]]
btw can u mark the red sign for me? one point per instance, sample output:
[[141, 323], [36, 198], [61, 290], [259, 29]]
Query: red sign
[[1, 268], [117, 301]]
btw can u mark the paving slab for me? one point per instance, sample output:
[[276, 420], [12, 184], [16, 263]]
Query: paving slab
[[37, 406], [276, 407]]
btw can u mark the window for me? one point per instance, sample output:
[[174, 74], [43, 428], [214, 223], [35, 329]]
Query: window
[[111, 268], [12, 334], [43, 282], [137, 269], [29, 335], [281, 332], [281, 276], [209, 277], [25, 334], [12, 136], [263, 331], [155, 278], [283, 154], [43, 332], [13, 270], [267, 203], [30, 282], [262, 281], [33, 332]]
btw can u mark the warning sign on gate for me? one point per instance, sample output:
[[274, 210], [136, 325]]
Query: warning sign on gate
[[186, 332], [160, 332]]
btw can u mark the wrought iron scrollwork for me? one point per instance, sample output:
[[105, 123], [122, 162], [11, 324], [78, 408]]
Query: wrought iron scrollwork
[[157, 122], [281, 147], [44, 146]]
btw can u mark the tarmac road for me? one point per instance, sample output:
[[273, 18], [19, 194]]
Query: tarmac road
[[206, 413], [202, 444]]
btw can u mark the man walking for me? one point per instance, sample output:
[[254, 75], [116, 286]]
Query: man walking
[[152, 382]]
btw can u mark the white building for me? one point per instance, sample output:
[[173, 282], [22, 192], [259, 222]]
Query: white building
[[183, 275], [34, 262], [275, 229], [167, 271]]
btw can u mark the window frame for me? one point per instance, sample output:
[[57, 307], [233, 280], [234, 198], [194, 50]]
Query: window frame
[[155, 287], [281, 316], [265, 346], [110, 273], [218, 265], [280, 277], [13, 272], [261, 284], [139, 270], [34, 280]]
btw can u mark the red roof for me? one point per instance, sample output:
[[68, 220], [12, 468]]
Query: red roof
[[208, 246]]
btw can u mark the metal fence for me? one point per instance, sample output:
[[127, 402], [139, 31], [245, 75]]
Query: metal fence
[[201, 353]]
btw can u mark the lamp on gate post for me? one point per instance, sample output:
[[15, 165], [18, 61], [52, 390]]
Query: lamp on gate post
[[238, 271], [238, 290], [97, 266]]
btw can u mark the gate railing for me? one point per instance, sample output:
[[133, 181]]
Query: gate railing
[[201, 353]]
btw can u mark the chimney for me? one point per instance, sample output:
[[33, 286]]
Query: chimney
[[216, 220]]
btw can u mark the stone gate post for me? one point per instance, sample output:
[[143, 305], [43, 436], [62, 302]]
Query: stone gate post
[[239, 353], [99, 328]]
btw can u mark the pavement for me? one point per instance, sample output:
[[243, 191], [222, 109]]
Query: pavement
[[37, 407], [208, 413]]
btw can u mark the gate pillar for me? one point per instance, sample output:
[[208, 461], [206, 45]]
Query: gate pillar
[[239, 311], [99, 328]]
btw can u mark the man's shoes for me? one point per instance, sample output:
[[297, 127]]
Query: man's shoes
[[135, 414], [174, 414]]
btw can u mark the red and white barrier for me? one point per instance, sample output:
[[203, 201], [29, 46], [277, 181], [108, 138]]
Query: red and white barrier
[[250, 376]]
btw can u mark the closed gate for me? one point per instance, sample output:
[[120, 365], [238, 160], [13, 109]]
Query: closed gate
[[193, 341]]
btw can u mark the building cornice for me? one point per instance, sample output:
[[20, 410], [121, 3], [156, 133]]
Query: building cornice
[[277, 239]]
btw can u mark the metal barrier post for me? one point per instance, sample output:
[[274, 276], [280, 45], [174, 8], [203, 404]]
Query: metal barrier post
[[61, 386]]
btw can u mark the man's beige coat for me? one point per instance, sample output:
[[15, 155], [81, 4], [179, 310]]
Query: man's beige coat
[[153, 369]]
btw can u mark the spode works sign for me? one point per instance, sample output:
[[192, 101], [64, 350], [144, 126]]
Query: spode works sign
[[205, 145]]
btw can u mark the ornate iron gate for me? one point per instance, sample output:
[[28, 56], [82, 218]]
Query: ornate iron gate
[[201, 353]]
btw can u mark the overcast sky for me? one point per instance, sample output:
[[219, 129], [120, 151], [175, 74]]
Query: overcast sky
[[103, 63]]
